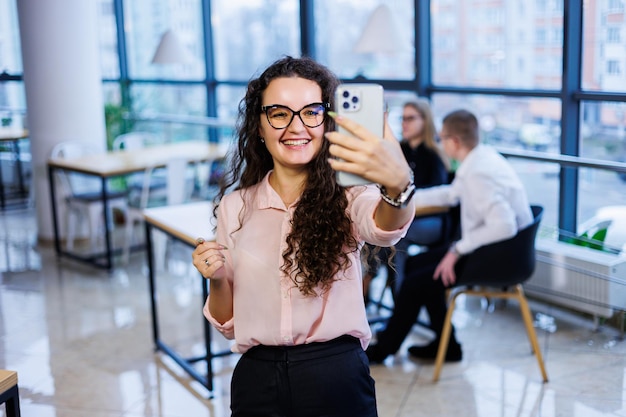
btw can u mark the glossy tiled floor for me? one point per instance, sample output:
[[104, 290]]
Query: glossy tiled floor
[[81, 342]]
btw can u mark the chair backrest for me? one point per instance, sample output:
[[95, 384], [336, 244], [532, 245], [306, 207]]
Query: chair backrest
[[134, 140], [507, 262], [74, 183]]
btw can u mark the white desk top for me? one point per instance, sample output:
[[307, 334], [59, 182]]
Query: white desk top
[[124, 162], [186, 222]]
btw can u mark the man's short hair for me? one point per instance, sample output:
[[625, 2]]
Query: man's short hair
[[464, 125]]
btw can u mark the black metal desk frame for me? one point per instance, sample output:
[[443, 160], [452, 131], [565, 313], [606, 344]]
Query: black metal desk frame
[[186, 363], [157, 156], [93, 259]]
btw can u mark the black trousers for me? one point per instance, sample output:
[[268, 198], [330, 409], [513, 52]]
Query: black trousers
[[419, 289], [327, 379]]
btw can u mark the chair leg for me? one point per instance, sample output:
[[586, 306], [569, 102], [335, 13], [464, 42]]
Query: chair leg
[[128, 237], [445, 337], [70, 221], [95, 221], [530, 330], [159, 244]]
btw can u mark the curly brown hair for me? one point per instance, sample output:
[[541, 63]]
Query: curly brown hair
[[321, 236]]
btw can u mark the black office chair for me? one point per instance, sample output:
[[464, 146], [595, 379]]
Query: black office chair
[[512, 261]]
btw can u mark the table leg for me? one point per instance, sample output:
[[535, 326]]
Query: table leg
[[2, 200], [207, 336], [185, 363], [152, 285], [18, 165], [53, 203], [107, 232]]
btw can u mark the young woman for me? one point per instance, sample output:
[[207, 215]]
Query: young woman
[[285, 273]]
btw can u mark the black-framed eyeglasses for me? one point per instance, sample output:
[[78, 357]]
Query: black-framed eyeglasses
[[406, 119], [279, 116]]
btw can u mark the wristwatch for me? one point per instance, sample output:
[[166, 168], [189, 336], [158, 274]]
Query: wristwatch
[[401, 200]]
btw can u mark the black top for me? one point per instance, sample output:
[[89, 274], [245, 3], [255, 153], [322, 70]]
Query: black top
[[428, 168]]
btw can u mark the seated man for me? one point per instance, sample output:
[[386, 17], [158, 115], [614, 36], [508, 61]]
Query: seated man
[[494, 207]]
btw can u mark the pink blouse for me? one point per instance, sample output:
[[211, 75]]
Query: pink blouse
[[268, 309]]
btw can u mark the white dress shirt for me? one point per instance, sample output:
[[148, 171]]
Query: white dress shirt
[[494, 204], [268, 309]]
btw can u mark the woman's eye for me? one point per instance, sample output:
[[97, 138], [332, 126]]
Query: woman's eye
[[279, 114]]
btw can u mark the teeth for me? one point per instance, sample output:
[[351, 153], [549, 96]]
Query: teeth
[[296, 142]]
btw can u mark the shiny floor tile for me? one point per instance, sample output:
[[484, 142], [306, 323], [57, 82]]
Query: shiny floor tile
[[81, 340]]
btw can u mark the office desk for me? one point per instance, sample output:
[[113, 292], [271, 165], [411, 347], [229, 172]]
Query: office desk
[[421, 211], [119, 163], [184, 222], [12, 137]]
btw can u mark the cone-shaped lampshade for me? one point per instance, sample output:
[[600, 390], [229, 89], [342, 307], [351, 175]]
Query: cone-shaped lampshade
[[170, 51], [379, 34]]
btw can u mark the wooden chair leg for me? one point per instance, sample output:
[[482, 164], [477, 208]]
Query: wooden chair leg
[[530, 330], [445, 338], [518, 294]]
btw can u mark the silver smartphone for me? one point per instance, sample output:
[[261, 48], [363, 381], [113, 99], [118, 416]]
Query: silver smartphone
[[363, 103]]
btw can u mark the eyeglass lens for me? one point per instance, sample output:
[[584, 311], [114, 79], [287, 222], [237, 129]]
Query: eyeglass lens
[[280, 117]]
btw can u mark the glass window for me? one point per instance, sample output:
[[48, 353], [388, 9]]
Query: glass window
[[114, 112], [250, 35], [11, 93], [12, 104], [146, 22], [509, 122], [517, 123], [182, 100], [541, 182], [616, 5], [603, 47], [599, 189], [228, 98], [603, 130], [10, 53], [612, 67], [501, 45], [613, 35], [109, 59], [344, 45]]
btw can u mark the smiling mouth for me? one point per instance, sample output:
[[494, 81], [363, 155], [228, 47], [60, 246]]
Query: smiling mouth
[[296, 142]]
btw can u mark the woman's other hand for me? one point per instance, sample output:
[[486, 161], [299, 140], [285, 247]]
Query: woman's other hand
[[208, 257]]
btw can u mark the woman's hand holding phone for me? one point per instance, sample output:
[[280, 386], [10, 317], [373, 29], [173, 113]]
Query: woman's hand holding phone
[[364, 154]]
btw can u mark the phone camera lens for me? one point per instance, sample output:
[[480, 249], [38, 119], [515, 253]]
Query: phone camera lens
[[346, 105], [346, 94], [355, 99]]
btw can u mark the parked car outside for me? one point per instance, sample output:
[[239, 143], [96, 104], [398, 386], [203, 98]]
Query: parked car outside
[[535, 136]]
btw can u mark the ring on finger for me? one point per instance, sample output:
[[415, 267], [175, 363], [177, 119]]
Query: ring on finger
[[206, 262]]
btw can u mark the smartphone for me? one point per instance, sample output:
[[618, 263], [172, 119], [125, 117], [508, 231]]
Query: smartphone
[[363, 103]]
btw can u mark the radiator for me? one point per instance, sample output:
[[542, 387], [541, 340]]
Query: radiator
[[579, 278]]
